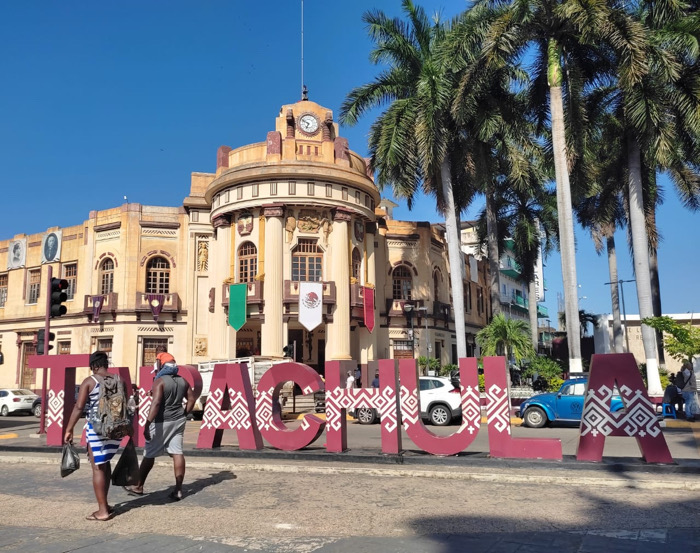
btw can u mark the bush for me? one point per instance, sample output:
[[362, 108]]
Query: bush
[[663, 376], [544, 366], [482, 385], [446, 370]]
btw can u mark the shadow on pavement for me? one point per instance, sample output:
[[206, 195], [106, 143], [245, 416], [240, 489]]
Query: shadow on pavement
[[162, 497], [605, 525]]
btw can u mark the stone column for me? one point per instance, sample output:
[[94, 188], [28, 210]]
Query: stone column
[[369, 340], [220, 334], [272, 329], [338, 332]]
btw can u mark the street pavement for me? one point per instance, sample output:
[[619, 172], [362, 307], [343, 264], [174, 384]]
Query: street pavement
[[360, 501]]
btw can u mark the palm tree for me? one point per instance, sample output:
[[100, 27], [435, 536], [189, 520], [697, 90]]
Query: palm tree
[[569, 38], [415, 144], [509, 336], [662, 123]]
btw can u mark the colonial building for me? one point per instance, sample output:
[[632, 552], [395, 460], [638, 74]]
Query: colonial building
[[298, 207]]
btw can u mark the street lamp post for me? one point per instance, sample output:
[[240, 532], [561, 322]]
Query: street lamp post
[[408, 309], [428, 347], [624, 313]]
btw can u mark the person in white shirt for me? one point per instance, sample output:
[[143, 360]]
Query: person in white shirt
[[350, 381]]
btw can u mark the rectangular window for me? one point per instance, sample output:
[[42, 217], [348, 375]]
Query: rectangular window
[[329, 191], [479, 301], [357, 196], [345, 193], [310, 188], [64, 348], [70, 273], [256, 190], [469, 296], [273, 189], [239, 193], [105, 344], [3, 290], [33, 286], [292, 187]]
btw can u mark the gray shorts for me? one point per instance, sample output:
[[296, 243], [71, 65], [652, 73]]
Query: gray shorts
[[165, 437]]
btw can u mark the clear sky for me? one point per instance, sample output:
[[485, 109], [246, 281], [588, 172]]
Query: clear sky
[[102, 100]]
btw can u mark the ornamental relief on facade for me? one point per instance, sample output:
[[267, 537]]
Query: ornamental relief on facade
[[202, 256], [200, 347], [309, 221], [245, 224]]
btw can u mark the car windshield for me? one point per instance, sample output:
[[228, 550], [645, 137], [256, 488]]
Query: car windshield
[[22, 392]]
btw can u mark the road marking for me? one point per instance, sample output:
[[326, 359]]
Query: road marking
[[8, 436]]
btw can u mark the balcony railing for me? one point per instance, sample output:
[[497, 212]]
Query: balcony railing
[[395, 308], [254, 296], [109, 303], [171, 303]]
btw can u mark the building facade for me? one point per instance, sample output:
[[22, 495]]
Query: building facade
[[300, 206]]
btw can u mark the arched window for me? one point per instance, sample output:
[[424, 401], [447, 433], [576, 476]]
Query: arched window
[[403, 283], [107, 276], [356, 264], [307, 262], [158, 276], [247, 262]]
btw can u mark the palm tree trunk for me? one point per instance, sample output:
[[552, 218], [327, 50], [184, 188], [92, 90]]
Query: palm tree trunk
[[493, 253], [614, 295], [565, 212], [532, 311], [656, 300], [640, 252], [454, 252]]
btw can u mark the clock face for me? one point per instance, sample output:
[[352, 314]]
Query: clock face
[[308, 123]]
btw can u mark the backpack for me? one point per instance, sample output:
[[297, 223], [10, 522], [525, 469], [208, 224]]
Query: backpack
[[110, 419]]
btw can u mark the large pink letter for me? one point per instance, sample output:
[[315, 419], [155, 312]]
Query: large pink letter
[[411, 411], [501, 443], [230, 405], [146, 379], [638, 419], [60, 397], [269, 416], [339, 400]]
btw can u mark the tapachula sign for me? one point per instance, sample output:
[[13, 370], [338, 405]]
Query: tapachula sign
[[232, 405]]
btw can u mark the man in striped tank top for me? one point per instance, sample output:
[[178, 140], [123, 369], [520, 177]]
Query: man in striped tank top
[[100, 450]]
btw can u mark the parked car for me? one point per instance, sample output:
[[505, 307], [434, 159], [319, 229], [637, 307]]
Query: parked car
[[566, 405], [440, 402], [36, 405], [16, 400]]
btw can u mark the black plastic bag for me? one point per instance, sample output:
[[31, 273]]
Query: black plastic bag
[[70, 460], [126, 473]]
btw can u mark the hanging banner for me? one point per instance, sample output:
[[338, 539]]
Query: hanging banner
[[368, 302], [237, 310], [156, 303], [310, 304], [97, 302]]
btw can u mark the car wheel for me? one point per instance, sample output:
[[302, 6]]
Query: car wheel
[[37, 410], [365, 415], [535, 417], [440, 415], [4, 411]]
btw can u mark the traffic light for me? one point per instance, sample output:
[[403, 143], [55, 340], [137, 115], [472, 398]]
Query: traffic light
[[58, 296], [288, 351], [41, 342]]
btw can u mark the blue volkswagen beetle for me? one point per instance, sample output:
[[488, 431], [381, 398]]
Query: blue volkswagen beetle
[[566, 405]]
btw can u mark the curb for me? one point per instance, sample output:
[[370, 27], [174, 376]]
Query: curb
[[494, 477]]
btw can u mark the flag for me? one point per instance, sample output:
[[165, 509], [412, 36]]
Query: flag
[[237, 312], [368, 302], [97, 302], [310, 304], [156, 303]]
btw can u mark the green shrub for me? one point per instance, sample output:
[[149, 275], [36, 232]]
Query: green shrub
[[553, 384], [482, 385], [446, 370], [545, 367]]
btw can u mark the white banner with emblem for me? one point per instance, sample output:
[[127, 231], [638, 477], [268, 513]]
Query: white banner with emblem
[[310, 304]]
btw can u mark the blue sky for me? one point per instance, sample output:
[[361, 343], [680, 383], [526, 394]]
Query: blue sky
[[102, 100]]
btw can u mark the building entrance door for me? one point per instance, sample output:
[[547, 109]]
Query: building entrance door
[[297, 335], [28, 379]]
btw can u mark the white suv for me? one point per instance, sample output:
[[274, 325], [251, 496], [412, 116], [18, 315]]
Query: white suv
[[440, 402]]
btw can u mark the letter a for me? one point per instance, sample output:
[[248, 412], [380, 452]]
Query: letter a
[[638, 419]]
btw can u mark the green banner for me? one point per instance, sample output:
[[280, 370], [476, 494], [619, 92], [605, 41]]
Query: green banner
[[237, 314]]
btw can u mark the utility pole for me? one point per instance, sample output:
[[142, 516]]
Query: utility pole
[[624, 313], [47, 340]]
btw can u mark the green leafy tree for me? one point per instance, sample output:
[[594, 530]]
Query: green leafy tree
[[682, 341], [509, 336], [415, 143], [547, 368]]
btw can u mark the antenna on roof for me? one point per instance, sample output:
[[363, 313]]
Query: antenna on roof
[[304, 91]]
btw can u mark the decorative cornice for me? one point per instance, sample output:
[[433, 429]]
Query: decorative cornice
[[223, 220], [160, 224], [342, 214], [273, 210], [108, 226]]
